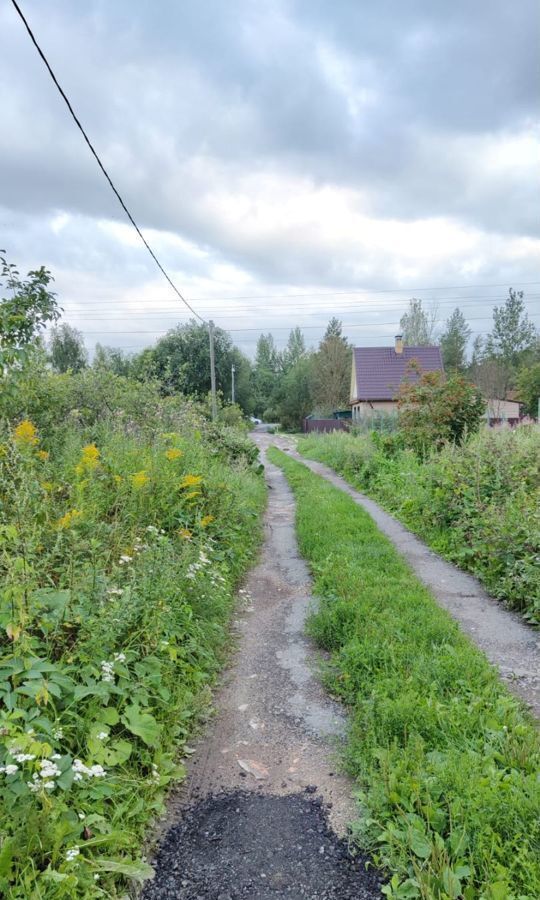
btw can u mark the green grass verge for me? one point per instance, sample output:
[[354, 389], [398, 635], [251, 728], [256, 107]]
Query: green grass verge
[[445, 758]]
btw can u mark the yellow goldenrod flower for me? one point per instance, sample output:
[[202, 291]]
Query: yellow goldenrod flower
[[43, 454], [192, 494], [173, 453], [190, 481], [206, 521], [26, 433], [47, 485], [68, 519], [90, 456], [184, 533], [139, 479], [118, 479]]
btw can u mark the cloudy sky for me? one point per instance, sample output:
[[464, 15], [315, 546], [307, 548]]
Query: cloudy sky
[[288, 160]]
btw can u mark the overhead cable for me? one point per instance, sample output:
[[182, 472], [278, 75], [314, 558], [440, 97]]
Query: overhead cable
[[100, 164]]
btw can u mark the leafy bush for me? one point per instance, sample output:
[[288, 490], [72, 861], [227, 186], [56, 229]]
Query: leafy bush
[[445, 758], [436, 409], [477, 504], [121, 540]]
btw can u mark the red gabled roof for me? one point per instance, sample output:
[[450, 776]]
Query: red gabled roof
[[380, 370]]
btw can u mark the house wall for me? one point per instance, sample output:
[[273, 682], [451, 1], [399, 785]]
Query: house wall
[[502, 409], [365, 408]]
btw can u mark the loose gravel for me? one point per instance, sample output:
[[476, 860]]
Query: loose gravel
[[247, 845]]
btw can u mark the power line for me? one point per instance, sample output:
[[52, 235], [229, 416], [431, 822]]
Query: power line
[[98, 302], [286, 327], [98, 160], [454, 287], [138, 347], [352, 292], [236, 312]]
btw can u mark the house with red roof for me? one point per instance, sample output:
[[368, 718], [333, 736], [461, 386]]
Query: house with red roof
[[378, 372]]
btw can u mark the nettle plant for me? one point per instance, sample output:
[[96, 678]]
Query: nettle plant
[[117, 566]]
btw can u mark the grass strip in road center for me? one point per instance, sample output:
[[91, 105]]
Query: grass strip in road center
[[445, 758]]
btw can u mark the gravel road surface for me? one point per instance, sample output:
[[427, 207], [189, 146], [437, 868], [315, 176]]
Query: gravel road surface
[[264, 810]]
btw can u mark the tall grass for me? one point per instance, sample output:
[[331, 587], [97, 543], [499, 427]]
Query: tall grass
[[445, 759], [478, 504]]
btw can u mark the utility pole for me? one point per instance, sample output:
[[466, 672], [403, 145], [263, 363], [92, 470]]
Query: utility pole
[[212, 370], [233, 370]]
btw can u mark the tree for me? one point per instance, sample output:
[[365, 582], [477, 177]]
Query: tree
[[266, 373], [334, 329], [513, 336], [454, 342], [181, 362], [25, 313], [67, 350], [436, 409], [293, 398], [331, 370], [418, 325], [295, 349], [113, 360], [528, 385]]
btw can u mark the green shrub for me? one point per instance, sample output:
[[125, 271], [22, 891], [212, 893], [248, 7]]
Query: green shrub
[[446, 760]]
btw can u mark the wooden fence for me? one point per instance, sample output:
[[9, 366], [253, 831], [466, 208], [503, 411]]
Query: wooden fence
[[326, 425]]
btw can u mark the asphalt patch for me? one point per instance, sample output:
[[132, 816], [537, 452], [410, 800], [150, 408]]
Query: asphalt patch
[[240, 844]]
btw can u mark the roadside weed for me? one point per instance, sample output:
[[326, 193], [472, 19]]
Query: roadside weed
[[117, 580]]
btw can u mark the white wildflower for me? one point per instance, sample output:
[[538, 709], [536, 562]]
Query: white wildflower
[[32, 786], [107, 670], [24, 757], [115, 592], [58, 734], [80, 769], [10, 769], [56, 756], [49, 785], [102, 736], [152, 529], [82, 816], [49, 769], [72, 853], [119, 657], [124, 559]]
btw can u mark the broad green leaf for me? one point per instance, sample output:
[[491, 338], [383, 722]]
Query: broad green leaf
[[6, 856], [420, 844], [139, 871], [142, 724], [451, 883], [118, 752], [109, 715]]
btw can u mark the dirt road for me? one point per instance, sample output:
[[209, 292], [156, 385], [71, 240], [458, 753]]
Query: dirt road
[[264, 810]]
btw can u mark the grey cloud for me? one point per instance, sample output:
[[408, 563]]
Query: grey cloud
[[242, 87]]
